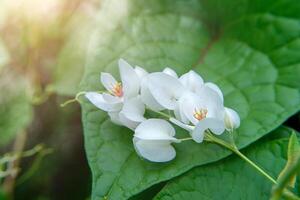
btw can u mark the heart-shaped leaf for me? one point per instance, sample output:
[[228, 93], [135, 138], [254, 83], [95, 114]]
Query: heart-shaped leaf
[[250, 50]]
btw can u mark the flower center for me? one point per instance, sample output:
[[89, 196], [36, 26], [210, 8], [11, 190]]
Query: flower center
[[117, 90], [200, 114]]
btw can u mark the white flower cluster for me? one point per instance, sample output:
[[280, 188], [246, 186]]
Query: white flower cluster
[[196, 106]]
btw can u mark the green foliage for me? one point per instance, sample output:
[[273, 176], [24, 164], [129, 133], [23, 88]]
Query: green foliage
[[260, 76], [15, 107], [287, 177], [231, 178], [293, 157]]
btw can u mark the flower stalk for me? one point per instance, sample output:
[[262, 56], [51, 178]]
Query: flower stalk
[[232, 147]]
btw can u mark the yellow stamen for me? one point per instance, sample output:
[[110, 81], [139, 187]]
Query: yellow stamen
[[117, 90], [200, 114]]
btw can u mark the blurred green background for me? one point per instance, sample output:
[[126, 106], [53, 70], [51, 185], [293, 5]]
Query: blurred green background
[[42, 50]]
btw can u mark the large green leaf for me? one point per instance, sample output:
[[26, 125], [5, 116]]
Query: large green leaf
[[231, 178], [15, 106], [250, 49]]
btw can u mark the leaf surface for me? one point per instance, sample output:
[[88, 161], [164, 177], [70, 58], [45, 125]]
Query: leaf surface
[[250, 50], [231, 178]]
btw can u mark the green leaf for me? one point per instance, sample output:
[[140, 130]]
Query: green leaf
[[250, 50], [15, 107], [293, 156], [231, 178]]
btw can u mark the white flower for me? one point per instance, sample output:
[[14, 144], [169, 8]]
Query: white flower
[[141, 73], [204, 110], [132, 113], [192, 81], [161, 91], [170, 72], [232, 119], [152, 140], [118, 93]]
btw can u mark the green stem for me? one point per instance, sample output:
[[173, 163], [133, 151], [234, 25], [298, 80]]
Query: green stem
[[283, 181], [234, 149], [76, 99], [162, 114], [68, 102], [185, 139], [13, 156], [255, 166]]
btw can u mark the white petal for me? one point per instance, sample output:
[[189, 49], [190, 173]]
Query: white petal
[[215, 125], [232, 119], [155, 151], [141, 73], [155, 129], [188, 103], [114, 117], [132, 113], [134, 109], [216, 89], [212, 101], [170, 72], [191, 80], [104, 102], [108, 81], [111, 99], [182, 125], [180, 115], [127, 122], [147, 97], [165, 89], [130, 80]]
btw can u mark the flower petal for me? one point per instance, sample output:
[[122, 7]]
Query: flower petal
[[132, 113], [127, 122], [191, 80], [155, 151], [180, 115], [232, 119], [130, 80], [134, 109], [147, 97], [141, 73], [212, 102], [155, 129], [216, 89], [165, 89], [170, 72], [215, 125], [108, 81], [182, 125], [104, 102], [188, 103]]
